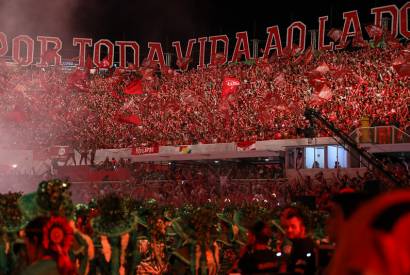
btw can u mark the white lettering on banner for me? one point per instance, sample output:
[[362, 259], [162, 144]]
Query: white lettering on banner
[[23, 46], [232, 83], [145, 150]]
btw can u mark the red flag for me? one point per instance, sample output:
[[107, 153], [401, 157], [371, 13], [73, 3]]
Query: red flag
[[308, 56], [183, 63], [334, 34], [401, 59], [402, 70], [318, 82], [230, 86], [134, 88], [105, 63], [325, 93], [132, 119], [323, 68], [318, 73], [375, 32], [406, 53]]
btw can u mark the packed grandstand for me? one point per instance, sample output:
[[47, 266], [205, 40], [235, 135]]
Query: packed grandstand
[[120, 109]]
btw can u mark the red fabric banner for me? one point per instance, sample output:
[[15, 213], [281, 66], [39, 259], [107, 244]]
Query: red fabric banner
[[145, 150], [334, 34], [230, 86], [134, 88], [132, 119], [375, 32]]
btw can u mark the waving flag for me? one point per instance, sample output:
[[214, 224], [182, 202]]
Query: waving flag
[[323, 68], [325, 92], [334, 34], [401, 64], [230, 86], [375, 32], [308, 55], [131, 119], [104, 64], [183, 63], [403, 70], [134, 88]]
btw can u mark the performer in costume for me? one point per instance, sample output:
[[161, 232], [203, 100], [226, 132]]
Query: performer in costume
[[51, 199], [112, 226], [153, 249], [12, 221], [48, 240], [199, 249]]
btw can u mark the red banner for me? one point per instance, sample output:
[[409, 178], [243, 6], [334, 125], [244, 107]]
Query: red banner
[[134, 88], [230, 86], [145, 150]]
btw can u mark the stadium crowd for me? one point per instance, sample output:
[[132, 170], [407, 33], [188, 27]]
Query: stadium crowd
[[193, 183], [206, 220], [117, 109]]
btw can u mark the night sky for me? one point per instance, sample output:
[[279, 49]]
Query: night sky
[[167, 21]]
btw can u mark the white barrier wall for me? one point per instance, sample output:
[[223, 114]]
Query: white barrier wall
[[26, 163]]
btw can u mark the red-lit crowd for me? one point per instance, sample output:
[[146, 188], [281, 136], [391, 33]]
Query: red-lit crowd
[[178, 184], [45, 106], [307, 226]]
